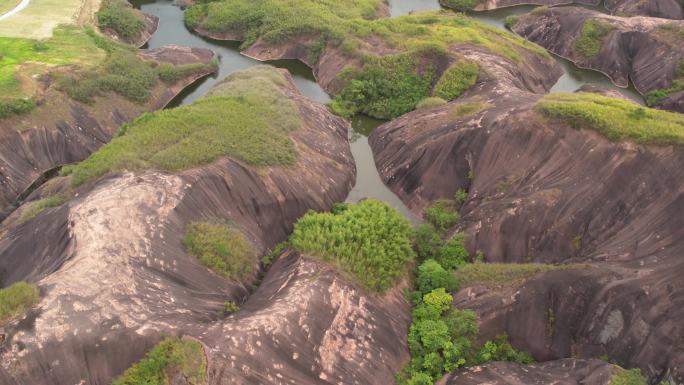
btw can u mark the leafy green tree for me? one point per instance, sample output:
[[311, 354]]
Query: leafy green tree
[[431, 275], [453, 254], [427, 242]]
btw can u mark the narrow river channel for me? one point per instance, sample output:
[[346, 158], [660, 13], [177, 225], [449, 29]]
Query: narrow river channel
[[368, 184]]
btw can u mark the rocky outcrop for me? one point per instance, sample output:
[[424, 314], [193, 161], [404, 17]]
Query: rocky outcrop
[[62, 131], [647, 51], [114, 276], [532, 199], [306, 325], [560, 372], [667, 9]]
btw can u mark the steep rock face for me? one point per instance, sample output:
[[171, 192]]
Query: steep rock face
[[560, 372], [307, 325], [647, 51], [532, 199], [114, 275], [667, 9], [63, 131]]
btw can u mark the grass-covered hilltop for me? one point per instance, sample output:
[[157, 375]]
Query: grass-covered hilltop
[[392, 63], [247, 117]]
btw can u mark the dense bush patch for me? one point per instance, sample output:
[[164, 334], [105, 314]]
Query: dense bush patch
[[171, 356], [121, 18], [442, 214], [627, 377], [386, 87], [614, 118], [456, 80], [16, 299], [9, 107], [221, 248], [247, 117], [588, 42], [36, 207], [654, 96], [368, 240]]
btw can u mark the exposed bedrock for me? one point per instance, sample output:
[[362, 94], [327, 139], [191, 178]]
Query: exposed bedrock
[[647, 51], [62, 131], [113, 273], [667, 9], [559, 372], [532, 199], [307, 325]]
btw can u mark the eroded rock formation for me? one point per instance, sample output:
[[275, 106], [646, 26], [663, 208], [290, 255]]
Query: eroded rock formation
[[62, 131], [645, 51], [114, 276], [532, 199]]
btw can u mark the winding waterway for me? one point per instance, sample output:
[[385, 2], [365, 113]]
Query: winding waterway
[[368, 183]]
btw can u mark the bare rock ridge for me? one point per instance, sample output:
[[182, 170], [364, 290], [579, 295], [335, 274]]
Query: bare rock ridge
[[645, 51], [667, 9], [114, 276], [532, 200], [64, 131]]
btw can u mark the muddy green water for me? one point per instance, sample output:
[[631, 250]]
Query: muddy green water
[[368, 183]]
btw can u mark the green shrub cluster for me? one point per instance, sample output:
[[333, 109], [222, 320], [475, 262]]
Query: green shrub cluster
[[614, 118], [16, 299], [385, 87], [627, 377], [442, 338], [221, 248], [9, 107], [655, 96], [588, 42], [368, 240], [442, 214], [247, 117], [120, 17], [460, 5], [170, 357], [170, 74], [456, 80], [34, 208], [230, 307], [431, 102], [511, 20]]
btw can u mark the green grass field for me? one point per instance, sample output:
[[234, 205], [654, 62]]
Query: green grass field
[[41, 17], [69, 45]]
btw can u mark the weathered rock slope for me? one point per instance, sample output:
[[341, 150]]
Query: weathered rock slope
[[559, 372], [647, 51], [532, 199], [667, 9], [62, 131], [114, 275]]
